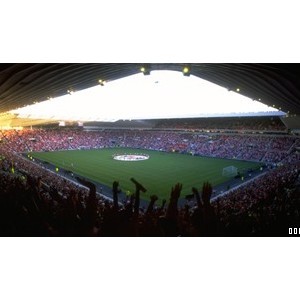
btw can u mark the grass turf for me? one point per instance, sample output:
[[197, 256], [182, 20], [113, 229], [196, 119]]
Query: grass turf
[[158, 174]]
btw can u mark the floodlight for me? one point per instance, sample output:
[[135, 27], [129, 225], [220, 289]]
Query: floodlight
[[101, 82], [186, 71], [145, 70]]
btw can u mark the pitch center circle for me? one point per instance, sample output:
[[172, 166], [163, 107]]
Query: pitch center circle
[[131, 157]]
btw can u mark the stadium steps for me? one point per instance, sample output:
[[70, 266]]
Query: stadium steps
[[293, 147]]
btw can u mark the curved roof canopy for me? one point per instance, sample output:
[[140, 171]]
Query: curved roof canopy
[[277, 85]]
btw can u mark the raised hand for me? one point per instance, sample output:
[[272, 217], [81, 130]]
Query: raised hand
[[206, 193], [175, 192], [115, 186], [153, 198], [172, 209], [197, 196], [138, 187], [163, 204]]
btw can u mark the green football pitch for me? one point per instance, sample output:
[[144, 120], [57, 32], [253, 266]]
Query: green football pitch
[[158, 173]]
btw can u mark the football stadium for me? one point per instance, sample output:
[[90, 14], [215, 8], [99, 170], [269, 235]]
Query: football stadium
[[149, 149]]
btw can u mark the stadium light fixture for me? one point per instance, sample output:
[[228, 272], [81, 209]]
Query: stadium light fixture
[[237, 89], [101, 82], [186, 71], [145, 70]]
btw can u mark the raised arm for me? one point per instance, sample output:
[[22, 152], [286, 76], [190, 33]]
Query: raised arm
[[172, 209], [138, 189], [197, 196], [153, 199], [206, 193]]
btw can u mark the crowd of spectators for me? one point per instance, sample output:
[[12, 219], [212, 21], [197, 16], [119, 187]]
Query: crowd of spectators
[[267, 206], [42, 205], [38, 202], [264, 148]]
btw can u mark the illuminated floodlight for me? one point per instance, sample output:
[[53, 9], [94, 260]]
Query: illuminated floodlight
[[186, 71], [101, 82], [237, 89], [145, 70]]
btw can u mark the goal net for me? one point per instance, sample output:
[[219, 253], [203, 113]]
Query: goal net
[[230, 171]]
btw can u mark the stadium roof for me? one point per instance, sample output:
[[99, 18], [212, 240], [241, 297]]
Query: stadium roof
[[21, 84]]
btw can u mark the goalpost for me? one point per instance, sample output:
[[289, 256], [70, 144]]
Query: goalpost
[[230, 171]]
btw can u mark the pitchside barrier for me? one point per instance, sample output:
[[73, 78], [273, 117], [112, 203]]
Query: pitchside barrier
[[64, 177]]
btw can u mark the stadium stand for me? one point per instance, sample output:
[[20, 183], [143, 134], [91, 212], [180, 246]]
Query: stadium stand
[[257, 147], [262, 123], [37, 202]]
